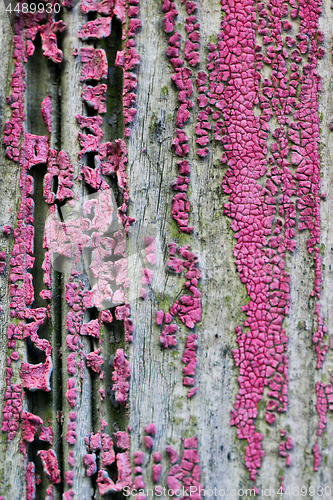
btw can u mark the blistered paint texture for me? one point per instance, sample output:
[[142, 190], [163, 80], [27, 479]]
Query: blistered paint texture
[[50, 464], [268, 127], [120, 376], [263, 214], [66, 239], [99, 28], [49, 40], [94, 64]]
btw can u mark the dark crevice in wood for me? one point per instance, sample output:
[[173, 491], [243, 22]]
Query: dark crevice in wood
[[116, 190], [44, 78], [90, 189], [40, 215], [55, 184], [56, 72], [90, 159], [37, 85], [39, 402], [92, 314], [91, 16], [113, 121], [57, 379]]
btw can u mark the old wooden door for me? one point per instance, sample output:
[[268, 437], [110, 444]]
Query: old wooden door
[[166, 249]]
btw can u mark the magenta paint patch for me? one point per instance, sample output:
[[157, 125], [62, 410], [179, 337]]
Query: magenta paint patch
[[50, 464], [138, 457], [34, 150], [173, 455], [30, 482], [71, 435], [95, 96], [264, 216], [128, 59], [121, 374], [150, 429], [37, 376], [122, 440], [149, 442], [187, 308], [107, 485], [90, 463], [47, 112], [157, 471], [95, 64], [317, 456], [69, 495], [58, 166], [99, 28], [69, 477], [49, 40], [183, 80], [46, 434], [95, 361]]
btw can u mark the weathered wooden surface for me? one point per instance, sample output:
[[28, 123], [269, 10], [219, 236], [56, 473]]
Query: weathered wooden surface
[[157, 394]]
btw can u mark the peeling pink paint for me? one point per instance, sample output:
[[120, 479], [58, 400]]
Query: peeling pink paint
[[95, 96], [71, 392], [180, 204], [99, 28], [105, 483], [128, 58], [203, 123], [150, 429], [149, 442], [71, 433], [263, 216], [46, 434], [108, 455], [49, 493], [138, 482], [95, 64], [122, 440], [69, 476], [69, 495], [71, 459], [90, 462], [317, 456], [183, 80], [29, 426], [50, 464], [31, 481], [95, 361], [188, 307], [263, 238], [322, 392], [58, 166], [114, 159], [157, 471], [37, 376], [173, 455], [124, 470], [47, 112], [120, 376], [49, 40], [138, 457], [7, 230]]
